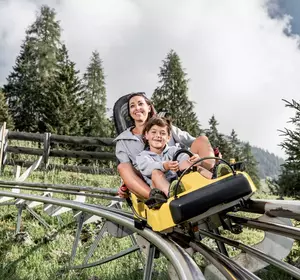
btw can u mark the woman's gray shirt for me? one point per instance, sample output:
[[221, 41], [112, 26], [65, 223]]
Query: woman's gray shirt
[[128, 145]]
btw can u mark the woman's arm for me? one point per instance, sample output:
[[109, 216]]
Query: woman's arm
[[182, 137], [133, 181], [199, 145], [121, 152], [129, 174]]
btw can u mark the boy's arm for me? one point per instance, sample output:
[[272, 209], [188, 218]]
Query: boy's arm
[[188, 162], [146, 164], [183, 159]]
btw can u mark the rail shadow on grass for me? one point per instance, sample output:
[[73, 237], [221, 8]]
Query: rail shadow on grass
[[8, 271]]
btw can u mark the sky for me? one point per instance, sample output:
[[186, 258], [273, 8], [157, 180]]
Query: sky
[[241, 56]]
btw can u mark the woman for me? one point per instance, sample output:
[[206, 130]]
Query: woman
[[130, 143]]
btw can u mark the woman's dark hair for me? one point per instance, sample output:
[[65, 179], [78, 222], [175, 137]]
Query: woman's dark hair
[[142, 94]]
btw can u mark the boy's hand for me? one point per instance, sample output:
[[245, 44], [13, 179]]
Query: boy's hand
[[194, 158], [171, 165]]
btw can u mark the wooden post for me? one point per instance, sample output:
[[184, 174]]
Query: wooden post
[[17, 171], [3, 130], [17, 174], [4, 153], [46, 149]]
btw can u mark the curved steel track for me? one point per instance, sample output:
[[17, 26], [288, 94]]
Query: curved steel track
[[181, 261], [172, 245]]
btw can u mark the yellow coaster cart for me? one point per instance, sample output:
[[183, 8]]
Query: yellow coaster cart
[[202, 198]]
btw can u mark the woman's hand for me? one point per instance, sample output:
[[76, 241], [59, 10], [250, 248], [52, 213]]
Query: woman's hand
[[171, 165], [123, 191]]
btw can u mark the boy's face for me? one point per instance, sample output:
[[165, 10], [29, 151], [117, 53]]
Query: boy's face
[[157, 137]]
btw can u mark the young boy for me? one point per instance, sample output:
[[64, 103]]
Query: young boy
[[155, 162]]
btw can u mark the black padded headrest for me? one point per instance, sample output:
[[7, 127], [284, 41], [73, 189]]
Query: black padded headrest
[[120, 114]]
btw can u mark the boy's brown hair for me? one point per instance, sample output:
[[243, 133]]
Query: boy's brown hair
[[159, 121]]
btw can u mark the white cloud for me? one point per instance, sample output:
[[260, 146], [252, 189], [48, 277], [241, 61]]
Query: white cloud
[[240, 62], [14, 18], [96, 25]]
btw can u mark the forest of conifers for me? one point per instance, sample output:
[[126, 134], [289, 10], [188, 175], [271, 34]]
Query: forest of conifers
[[45, 92]]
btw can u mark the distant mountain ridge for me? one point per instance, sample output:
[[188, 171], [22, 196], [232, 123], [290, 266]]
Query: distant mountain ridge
[[269, 165]]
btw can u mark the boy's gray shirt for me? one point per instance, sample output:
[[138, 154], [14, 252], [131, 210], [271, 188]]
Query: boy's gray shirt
[[128, 145], [148, 161]]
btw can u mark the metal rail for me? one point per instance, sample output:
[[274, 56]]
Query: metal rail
[[108, 197], [188, 269], [276, 208], [287, 231], [238, 270], [295, 272], [181, 262], [228, 272], [71, 168], [226, 266], [61, 186]]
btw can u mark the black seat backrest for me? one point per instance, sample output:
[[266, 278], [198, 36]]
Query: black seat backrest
[[120, 114]]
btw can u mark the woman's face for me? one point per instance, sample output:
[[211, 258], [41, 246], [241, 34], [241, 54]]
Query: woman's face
[[139, 109]]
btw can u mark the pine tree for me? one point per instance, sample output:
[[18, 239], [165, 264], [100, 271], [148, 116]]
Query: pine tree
[[250, 164], [29, 85], [213, 133], [94, 120], [217, 139], [67, 90], [234, 145], [172, 95], [224, 147], [289, 180], [18, 91], [4, 113]]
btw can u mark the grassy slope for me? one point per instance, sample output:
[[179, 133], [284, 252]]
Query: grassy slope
[[39, 253]]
